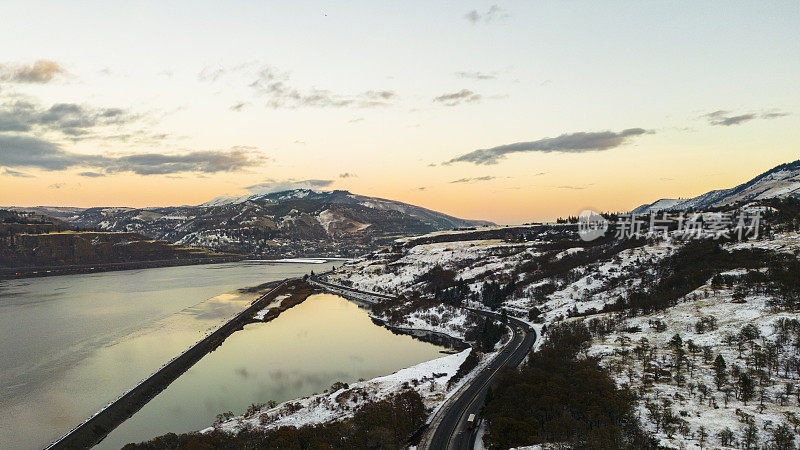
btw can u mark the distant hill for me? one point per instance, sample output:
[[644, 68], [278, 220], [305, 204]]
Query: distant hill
[[435, 219], [36, 244], [779, 182], [298, 222]]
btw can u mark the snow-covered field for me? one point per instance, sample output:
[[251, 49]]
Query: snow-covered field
[[697, 400], [780, 242], [441, 318], [273, 304], [430, 379], [697, 407], [598, 284], [473, 259]]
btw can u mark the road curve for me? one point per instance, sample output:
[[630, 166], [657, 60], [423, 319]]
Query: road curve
[[448, 428]]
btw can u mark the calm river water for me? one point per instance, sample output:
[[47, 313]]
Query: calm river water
[[71, 344]]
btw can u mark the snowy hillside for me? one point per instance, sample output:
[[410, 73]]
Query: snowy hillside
[[779, 182], [430, 379], [436, 219], [549, 277], [292, 223]]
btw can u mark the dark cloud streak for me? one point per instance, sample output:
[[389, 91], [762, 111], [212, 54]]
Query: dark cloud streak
[[723, 118], [33, 152], [474, 179], [71, 119], [16, 174], [726, 119], [579, 142], [456, 98]]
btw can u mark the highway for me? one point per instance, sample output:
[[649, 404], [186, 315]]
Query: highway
[[448, 429]]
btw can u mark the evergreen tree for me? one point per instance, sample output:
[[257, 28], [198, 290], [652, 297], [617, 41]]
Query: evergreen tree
[[783, 438], [746, 388], [720, 376], [750, 436]]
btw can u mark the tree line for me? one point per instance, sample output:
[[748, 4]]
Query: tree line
[[380, 424], [561, 396]]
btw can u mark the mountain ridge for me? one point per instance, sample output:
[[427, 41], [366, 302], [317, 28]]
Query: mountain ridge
[[299, 222], [779, 182], [345, 197]]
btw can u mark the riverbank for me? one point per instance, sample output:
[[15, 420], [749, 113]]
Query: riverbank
[[69, 345], [323, 341], [293, 294], [97, 427], [11, 273], [431, 379]]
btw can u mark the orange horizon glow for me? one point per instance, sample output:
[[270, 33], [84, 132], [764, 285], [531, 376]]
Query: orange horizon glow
[[538, 113]]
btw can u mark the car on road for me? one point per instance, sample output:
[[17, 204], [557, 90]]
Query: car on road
[[471, 422]]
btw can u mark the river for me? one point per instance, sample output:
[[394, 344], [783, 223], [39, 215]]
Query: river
[[71, 344]]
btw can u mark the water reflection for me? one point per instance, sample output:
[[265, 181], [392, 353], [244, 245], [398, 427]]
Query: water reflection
[[306, 349], [71, 344]]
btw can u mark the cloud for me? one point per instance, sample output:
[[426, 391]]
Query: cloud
[[280, 93], [239, 106], [456, 98], [371, 99], [579, 142], [422, 188], [56, 186], [474, 179], [726, 119], [14, 173], [271, 185], [774, 115], [211, 73], [33, 152], [347, 175], [73, 120], [493, 13], [17, 116], [27, 151], [571, 187], [92, 174], [205, 161], [41, 71], [477, 75], [356, 120]]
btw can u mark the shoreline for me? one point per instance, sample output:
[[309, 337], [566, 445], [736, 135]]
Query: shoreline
[[16, 273], [100, 424]]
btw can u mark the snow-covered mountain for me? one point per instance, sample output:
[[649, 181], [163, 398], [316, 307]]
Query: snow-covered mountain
[[290, 223], [341, 197], [779, 182]]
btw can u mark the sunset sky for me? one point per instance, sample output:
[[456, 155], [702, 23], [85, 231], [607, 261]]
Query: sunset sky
[[506, 111]]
